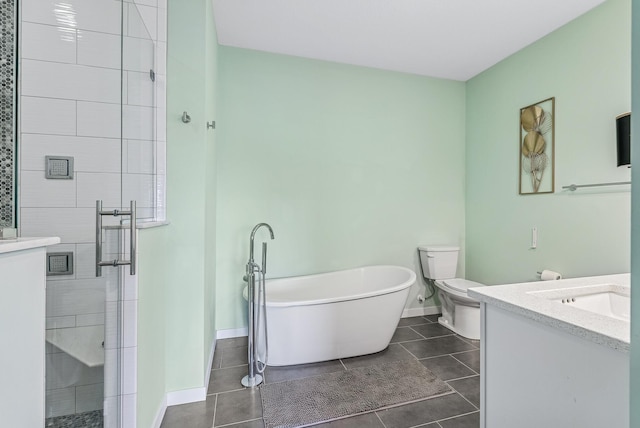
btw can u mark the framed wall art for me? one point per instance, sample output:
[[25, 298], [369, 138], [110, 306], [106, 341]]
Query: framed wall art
[[537, 146]]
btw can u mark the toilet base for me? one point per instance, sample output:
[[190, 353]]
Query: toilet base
[[466, 324]]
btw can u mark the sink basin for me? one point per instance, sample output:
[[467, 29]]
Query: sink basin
[[608, 303], [609, 300]]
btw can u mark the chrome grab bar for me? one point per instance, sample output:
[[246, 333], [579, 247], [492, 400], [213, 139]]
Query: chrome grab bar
[[573, 187], [132, 241]]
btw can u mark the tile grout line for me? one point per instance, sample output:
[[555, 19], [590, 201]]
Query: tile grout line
[[411, 353], [231, 390], [457, 416], [465, 398], [380, 419], [425, 424], [237, 423], [462, 377], [415, 333], [215, 410], [343, 365], [467, 366]]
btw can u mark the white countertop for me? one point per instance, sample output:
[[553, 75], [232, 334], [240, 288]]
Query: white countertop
[[18, 244], [522, 300]]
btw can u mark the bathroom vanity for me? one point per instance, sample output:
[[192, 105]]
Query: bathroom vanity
[[555, 353], [22, 328]]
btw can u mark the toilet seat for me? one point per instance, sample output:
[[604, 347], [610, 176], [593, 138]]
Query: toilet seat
[[459, 286]]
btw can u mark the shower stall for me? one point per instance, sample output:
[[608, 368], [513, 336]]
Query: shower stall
[[87, 124]]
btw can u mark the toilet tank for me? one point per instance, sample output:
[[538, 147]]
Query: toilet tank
[[439, 262]]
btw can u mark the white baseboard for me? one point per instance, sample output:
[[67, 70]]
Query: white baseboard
[[418, 312], [185, 396], [209, 365], [160, 413], [232, 332]]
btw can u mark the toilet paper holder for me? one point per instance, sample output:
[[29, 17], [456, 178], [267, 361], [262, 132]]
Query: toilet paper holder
[[549, 275]]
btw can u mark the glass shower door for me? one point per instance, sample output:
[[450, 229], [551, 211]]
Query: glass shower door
[[64, 169], [91, 315]]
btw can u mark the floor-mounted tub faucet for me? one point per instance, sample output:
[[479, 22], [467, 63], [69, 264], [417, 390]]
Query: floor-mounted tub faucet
[[256, 367]]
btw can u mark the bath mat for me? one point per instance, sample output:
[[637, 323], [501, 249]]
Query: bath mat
[[309, 401]]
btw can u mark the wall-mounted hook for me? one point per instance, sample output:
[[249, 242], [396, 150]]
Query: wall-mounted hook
[[211, 124], [185, 117]]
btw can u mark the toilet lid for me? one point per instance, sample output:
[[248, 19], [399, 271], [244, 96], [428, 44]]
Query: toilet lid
[[461, 284]]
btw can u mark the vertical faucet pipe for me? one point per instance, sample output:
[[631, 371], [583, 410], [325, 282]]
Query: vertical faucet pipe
[[250, 379], [262, 310]]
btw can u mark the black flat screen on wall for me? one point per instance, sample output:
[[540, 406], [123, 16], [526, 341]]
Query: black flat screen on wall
[[623, 131]]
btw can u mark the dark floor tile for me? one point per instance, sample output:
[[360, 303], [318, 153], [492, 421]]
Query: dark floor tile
[[256, 423], [405, 322], [432, 330], [234, 357], [437, 346], [474, 342], [469, 388], [394, 352], [447, 367], [368, 420], [425, 411], [433, 318], [233, 342], [193, 415], [222, 380], [467, 421], [279, 374], [404, 334], [238, 406], [217, 359], [470, 358]]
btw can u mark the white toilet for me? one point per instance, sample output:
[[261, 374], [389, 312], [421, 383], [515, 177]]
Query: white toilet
[[460, 313]]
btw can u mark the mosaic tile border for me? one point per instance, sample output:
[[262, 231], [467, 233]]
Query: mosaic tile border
[[91, 419], [7, 111]]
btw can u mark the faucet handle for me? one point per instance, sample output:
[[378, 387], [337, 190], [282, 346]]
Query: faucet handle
[[264, 258]]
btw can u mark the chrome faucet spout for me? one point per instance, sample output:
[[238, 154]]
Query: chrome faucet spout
[[253, 234]]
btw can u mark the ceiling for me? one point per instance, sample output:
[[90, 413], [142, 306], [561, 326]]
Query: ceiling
[[451, 39]]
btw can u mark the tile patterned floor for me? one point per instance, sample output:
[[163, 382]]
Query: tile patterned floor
[[454, 359]]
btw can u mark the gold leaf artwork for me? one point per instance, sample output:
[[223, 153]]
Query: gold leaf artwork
[[536, 124]]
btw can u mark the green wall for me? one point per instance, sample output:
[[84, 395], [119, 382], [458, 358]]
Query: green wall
[[153, 253], [586, 66], [186, 173], [350, 166], [176, 317], [211, 92]]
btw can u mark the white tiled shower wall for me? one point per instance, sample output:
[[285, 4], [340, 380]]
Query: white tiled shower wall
[[70, 105]]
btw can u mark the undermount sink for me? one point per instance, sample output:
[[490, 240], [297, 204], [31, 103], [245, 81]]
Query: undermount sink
[[609, 300]]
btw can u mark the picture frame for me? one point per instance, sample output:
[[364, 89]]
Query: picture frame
[[537, 148]]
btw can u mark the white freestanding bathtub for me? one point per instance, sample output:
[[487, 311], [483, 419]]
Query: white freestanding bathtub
[[334, 315]]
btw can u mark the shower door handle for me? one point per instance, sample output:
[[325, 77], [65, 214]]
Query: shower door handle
[[133, 238], [132, 241]]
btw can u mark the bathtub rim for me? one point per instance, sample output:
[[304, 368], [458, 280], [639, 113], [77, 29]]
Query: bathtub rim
[[394, 289]]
